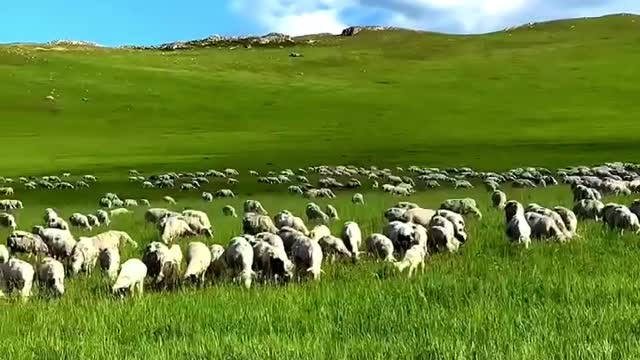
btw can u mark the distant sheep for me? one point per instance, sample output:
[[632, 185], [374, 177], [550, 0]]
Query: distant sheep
[[462, 206], [224, 193], [357, 199], [498, 199], [207, 196], [229, 210], [169, 200], [315, 214], [80, 220], [285, 218], [253, 224], [8, 221], [254, 206]]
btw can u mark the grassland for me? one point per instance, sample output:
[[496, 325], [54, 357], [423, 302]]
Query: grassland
[[552, 95]]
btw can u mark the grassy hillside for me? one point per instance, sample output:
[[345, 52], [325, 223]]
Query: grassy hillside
[[553, 94]]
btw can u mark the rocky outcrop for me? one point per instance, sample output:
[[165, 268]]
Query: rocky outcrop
[[355, 30], [272, 39]]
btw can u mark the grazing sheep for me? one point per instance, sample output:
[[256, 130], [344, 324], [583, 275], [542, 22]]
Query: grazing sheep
[[163, 264], [229, 210], [518, 230], [544, 227], [381, 247], [109, 260], [131, 278], [198, 261], [418, 216], [553, 215], [588, 209], [199, 222], [8, 221], [458, 224], [413, 259], [217, 266], [93, 220], [357, 199], [318, 232], [462, 206], [169, 200], [4, 254], [271, 260], [155, 215], [498, 199], [568, 218], [18, 275], [315, 214], [406, 205], [441, 235], [49, 214], [352, 237], [621, 218], [106, 203], [6, 191], [60, 242], [130, 203], [224, 193], [112, 239], [635, 207], [26, 243], [285, 218], [402, 235], [103, 217], [51, 276], [307, 258], [253, 224], [254, 206], [289, 236], [332, 246], [395, 214], [58, 223], [119, 211], [332, 212], [79, 220], [207, 196], [84, 256], [462, 184], [173, 227], [239, 259]]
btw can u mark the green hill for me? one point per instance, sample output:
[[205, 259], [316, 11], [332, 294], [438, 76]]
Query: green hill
[[550, 94]]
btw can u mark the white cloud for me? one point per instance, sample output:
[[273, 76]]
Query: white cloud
[[458, 16]]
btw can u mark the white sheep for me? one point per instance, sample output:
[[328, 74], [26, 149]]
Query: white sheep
[[253, 223], [395, 214], [163, 263], [569, 219], [103, 217], [173, 227], [112, 239], [357, 199], [332, 246], [84, 256], [402, 235], [224, 193], [462, 206], [8, 221], [16, 275], [199, 222], [352, 237], [588, 209], [315, 214], [318, 232], [458, 224], [418, 216], [499, 199], [60, 242], [518, 230], [80, 220], [254, 206], [285, 218], [4, 254], [441, 234], [130, 203], [544, 227], [169, 200], [207, 196], [229, 210], [58, 223], [109, 260], [217, 266], [380, 246], [119, 211], [26, 243], [239, 259], [131, 278], [51, 275], [413, 259], [332, 212], [307, 257], [198, 261], [271, 260]]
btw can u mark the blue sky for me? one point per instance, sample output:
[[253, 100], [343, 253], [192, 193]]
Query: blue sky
[[119, 22]]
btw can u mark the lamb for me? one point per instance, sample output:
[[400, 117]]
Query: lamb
[[285, 218], [254, 206], [253, 224], [51, 276], [315, 214], [79, 220], [332, 246], [418, 216], [352, 237], [357, 199], [518, 229], [8, 221], [60, 242], [131, 278], [318, 232], [413, 259], [380, 246], [224, 193], [441, 235], [462, 206], [588, 209], [112, 239], [16, 274], [173, 227], [199, 222], [169, 200], [26, 243], [198, 261], [499, 199], [109, 259], [207, 196], [307, 257], [332, 212], [272, 261], [239, 259], [84, 256]]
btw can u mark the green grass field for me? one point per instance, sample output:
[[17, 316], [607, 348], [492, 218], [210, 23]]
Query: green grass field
[[557, 94]]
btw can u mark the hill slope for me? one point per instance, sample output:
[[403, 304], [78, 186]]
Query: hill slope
[[552, 94]]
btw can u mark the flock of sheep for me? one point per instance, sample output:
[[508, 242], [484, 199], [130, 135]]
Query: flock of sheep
[[286, 247]]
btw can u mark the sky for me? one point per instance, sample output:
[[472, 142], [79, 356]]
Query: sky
[[147, 22]]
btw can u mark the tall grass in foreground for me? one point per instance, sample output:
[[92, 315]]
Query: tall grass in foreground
[[492, 300]]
